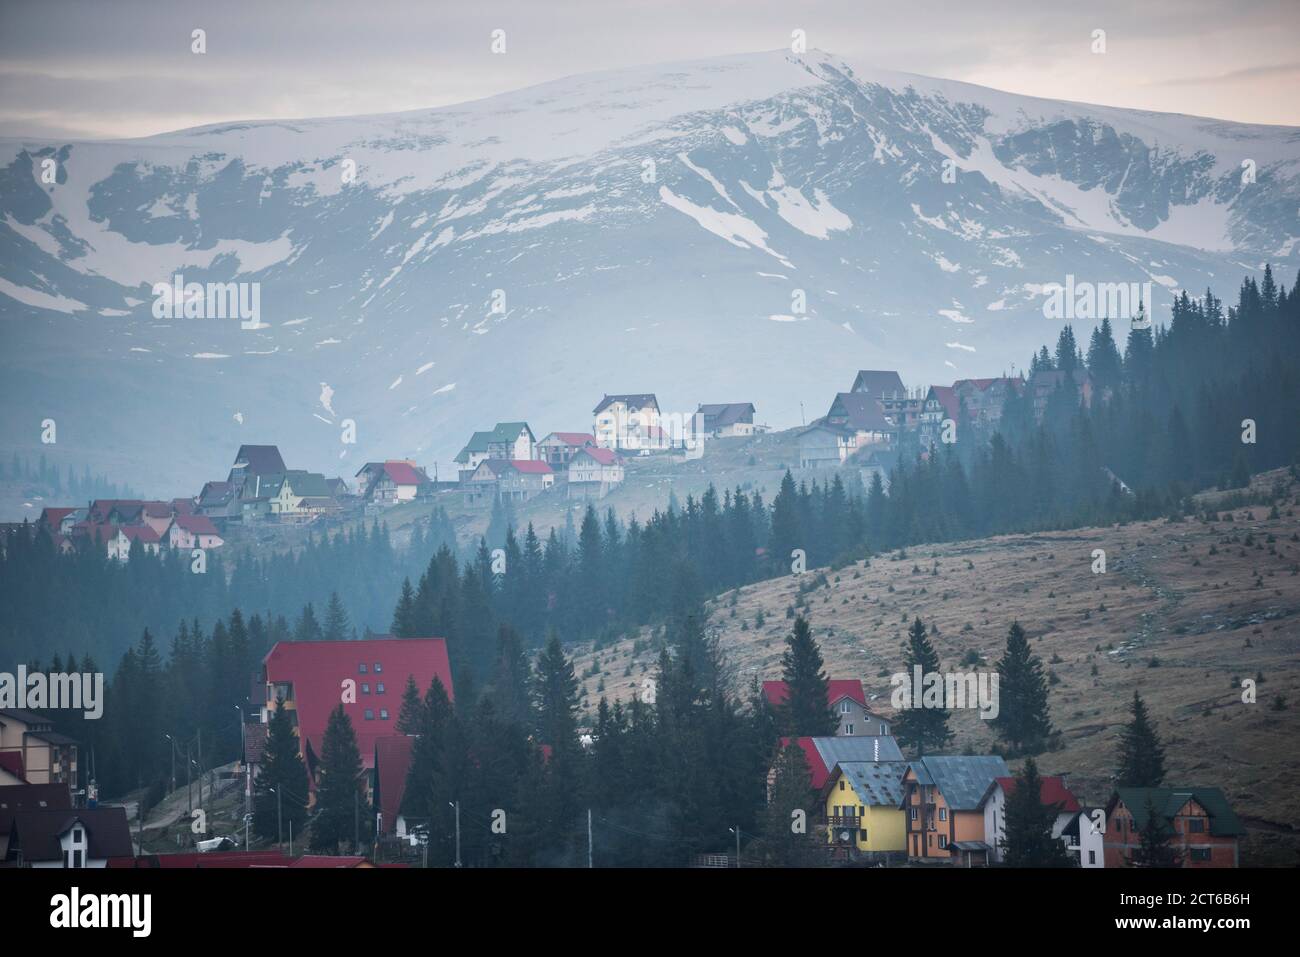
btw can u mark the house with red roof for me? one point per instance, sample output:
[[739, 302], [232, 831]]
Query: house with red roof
[[52, 519], [367, 677], [116, 539], [390, 482], [1052, 792], [559, 447], [193, 531], [846, 698], [511, 480], [594, 472]]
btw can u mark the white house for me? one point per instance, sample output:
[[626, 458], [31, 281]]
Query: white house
[[1052, 790], [193, 531], [76, 838], [1085, 834], [593, 472], [629, 422]]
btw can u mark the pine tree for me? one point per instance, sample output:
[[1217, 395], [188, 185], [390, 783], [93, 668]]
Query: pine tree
[[1028, 840], [1022, 719], [786, 534], [337, 625], [806, 711], [307, 628], [280, 799], [404, 617], [555, 694], [340, 797], [409, 716], [786, 837], [922, 727], [1142, 758]]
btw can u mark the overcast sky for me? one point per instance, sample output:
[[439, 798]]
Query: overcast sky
[[119, 68]]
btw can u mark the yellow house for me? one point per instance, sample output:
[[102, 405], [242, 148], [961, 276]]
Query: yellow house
[[864, 810]]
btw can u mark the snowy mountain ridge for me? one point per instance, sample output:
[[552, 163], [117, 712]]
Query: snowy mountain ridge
[[649, 229]]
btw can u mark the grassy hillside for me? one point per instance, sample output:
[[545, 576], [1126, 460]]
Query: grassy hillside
[[1184, 611]]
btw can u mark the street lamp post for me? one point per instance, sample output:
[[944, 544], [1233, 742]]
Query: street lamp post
[[456, 805]]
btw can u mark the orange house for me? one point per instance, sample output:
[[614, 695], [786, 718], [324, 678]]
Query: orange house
[[941, 804], [1199, 823]]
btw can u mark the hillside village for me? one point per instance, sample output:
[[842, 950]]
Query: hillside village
[[866, 429]]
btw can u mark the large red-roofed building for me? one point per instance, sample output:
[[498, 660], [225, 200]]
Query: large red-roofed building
[[846, 698]]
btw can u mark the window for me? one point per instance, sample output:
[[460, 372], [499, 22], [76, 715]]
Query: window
[[913, 811], [379, 687], [378, 667], [370, 715], [943, 814], [78, 859], [383, 714], [841, 784], [943, 841], [1200, 853], [1092, 857], [844, 707], [76, 836], [365, 687], [848, 729], [1196, 825], [361, 668], [862, 835], [884, 728]]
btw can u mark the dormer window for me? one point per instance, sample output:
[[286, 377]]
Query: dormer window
[[844, 707]]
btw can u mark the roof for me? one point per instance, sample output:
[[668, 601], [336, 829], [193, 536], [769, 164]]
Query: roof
[[327, 861], [316, 667], [961, 779], [530, 466], [948, 398], [1168, 801], [862, 412], [633, 400], [726, 413], [572, 438], [876, 783], [826, 752], [392, 761], [603, 456], [53, 516], [777, 691], [879, 383], [37, 833], [259, 459], [404, 473], [1051, 791], [478, 442], [196, 524], [214, 491], [208, 859], [16, 798]]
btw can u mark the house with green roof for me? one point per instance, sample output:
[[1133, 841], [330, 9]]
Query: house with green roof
[[511, 441], [1198, 823]]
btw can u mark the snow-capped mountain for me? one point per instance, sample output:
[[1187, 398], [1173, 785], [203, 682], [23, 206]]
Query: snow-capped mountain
[[748, 228]]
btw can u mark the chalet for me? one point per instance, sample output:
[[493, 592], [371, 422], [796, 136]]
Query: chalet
[[941, 404], [824, 753], [985, 398], [1198, 822], [1084, 838], [879, 384], [115, 511], [117, 539], [845, 698], [15, 799], [53, 519], [67, 838], [215, 500], [48, 757], [863, 807], [391, 482], [942, 795], [295, 495], [192, 531], [825, 446], [511, 480], [306, 676], [864, 416], [1052, 792], [593, 472], [629, 422], [509, 440], [255, 460], [558, 448], [726, 419], [1044, 383]]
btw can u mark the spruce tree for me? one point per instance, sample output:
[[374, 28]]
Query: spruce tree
[[280, 798], [1022, 719], [340, 797], [806, 711], [787, 840], [1154, 849], [1142, 757], [337, 626], [409, 716], [1027, 840], [920, 727]]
